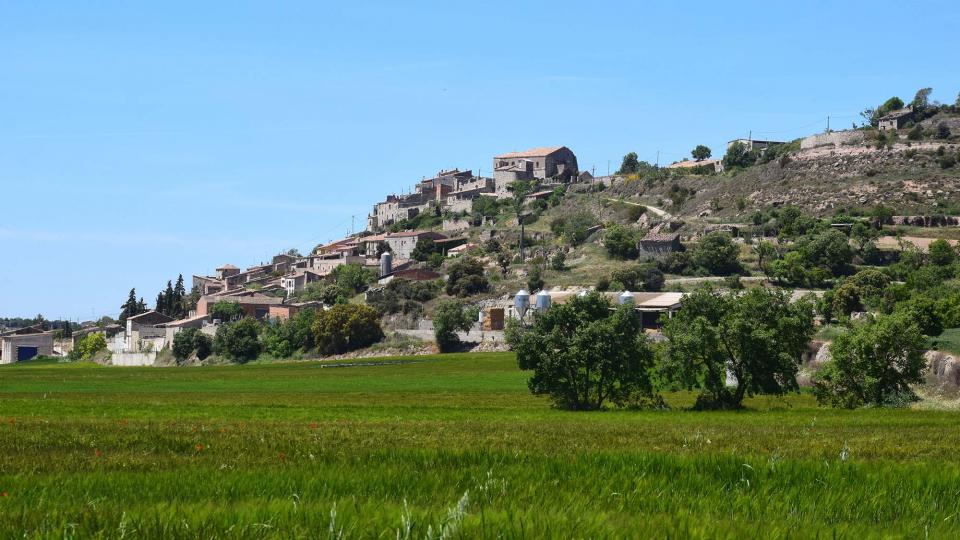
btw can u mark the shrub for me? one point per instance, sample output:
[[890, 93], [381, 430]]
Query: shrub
[[873, 364], [717, 254], [87, 346], [202, 345], [451, 316], [559, 261], [466, 277], [535, 279], [238, 341], [283, 338], [622, 242], [583, 355], [183, 342], [943, 131], [346, 327], [941, 253], [226, 311]]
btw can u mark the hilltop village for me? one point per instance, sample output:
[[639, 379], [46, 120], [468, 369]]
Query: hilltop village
[[807, 215]]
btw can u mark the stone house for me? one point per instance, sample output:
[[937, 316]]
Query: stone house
[[548, 162], [401, 244], [895, 119], [24, 344]]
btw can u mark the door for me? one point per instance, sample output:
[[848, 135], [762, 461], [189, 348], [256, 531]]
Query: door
[[26, 353]]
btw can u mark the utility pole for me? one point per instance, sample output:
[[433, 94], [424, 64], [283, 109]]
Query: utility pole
[[608, 167], [828, 124], [657, 165]]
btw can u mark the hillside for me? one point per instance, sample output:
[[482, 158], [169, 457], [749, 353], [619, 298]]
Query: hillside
[[907, 176]]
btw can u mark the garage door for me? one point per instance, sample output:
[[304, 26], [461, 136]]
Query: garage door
[[26, 353]]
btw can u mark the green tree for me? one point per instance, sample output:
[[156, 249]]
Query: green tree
[[226, 311], [535, 279], [790, 270], [738, 156], [717, 254], [465, 277], [346, 327], [284, 338], [238, 341], [559, 262], [583, 354], [179, 298], [829, 250], [701, 152], [630, 164], [758, 336], [424, 249], [622, 242], [87, 346], [766, 252], [922, 99], [183, 344], [353, 277], [519, 190], [873, 364], [451, 316], [943, 131], [846, 300], [941, 253], [131, 307], [203, 345]]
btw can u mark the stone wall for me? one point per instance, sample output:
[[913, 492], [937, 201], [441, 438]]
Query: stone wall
[[927, 221], [836, 138]]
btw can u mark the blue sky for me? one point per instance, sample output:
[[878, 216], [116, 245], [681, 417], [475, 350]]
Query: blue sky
[[138, 142]]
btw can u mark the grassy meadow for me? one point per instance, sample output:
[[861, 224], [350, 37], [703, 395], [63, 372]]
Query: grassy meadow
[[449, 446]]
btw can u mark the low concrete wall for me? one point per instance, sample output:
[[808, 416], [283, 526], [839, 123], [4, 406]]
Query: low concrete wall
[[133, 359]]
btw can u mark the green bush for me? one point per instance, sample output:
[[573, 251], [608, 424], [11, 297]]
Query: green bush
[[87, 346], [238, 341], [717, 254], [346, 327], [465, 277], [622, 242]]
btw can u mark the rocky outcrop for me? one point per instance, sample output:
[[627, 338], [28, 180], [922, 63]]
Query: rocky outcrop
[[943, 372]]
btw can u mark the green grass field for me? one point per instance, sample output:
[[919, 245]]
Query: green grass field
[[450, 446]]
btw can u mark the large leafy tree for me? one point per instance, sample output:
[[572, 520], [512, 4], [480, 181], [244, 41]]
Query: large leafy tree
[[701, 152], [717, 254], [519, 190], [451, 316], [757, 337], [238, 341], [873, 364], [583, 355], [630, 164]]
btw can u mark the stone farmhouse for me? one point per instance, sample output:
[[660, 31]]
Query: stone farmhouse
[[895, 119]]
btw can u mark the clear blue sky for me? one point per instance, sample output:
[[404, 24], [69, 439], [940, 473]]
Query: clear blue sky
[[140, 142]]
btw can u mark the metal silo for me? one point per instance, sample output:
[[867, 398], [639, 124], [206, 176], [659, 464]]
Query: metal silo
[[522, 302], [386, 263], [543, 301]]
